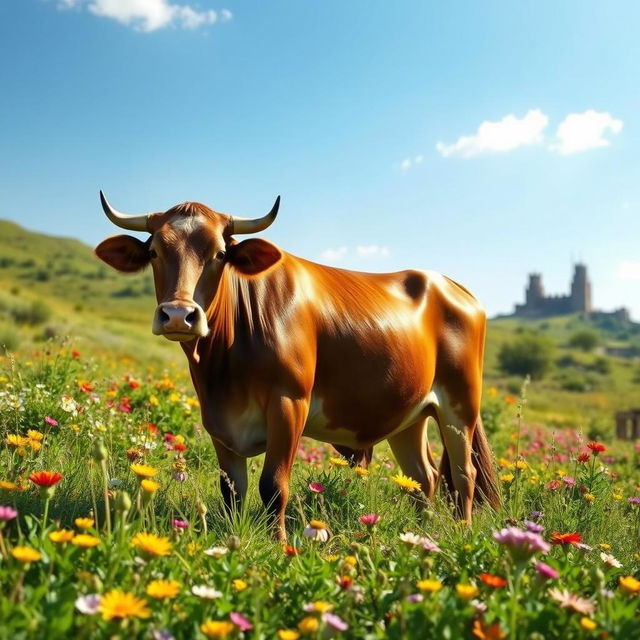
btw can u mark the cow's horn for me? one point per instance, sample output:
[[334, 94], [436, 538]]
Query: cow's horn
[[132, 223], [253, 225]]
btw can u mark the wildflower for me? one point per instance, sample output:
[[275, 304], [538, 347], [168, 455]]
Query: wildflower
[[288, 634], [589, 497], [89, 604], [350, 561], [45, 479], [179, 524], [162, 589], [240, 621], [319, 606], [630, 584], [534, 527], [9, 486], [317, 487], [406, 483], [521, 544], [596, 447], [492, 581], [583, 457], [162, 634], [414, 598], [492, 632], [608, 559], [507, 478], [208, 593], [566, 538], [570, 481], [84, 523], [308, 624], [239, 584], [143, 470], [568, 600], [25, 554], [430, 546], [466, 591], [546, 571], [50, 421], [634, 500], [334, 622], [7, 513], [553, 485], [429, 586], [588, 624], [217, 628], [216, 552], [370, 519], [316, 530], [85, 541], [344, 582], [411, 538], [149, 486], [536, 515], [361, 471], [616, 496], [338, 462], [61, 536], [290, 551], [119, 604], [152, 544]]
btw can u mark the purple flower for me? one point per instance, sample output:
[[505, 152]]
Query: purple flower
[[521, 544], [333, 621], [179, 476], [370, 519], [534, 527], [51, 421], [317, 487], [536, 515], [7, 513], [429, 546], [547, 572], [414, 598], [180, 524], [634, 500], [162, 634], [240, 621], [89, 604]]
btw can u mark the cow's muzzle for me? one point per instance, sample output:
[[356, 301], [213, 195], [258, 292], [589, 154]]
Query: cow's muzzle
[[180, 321]]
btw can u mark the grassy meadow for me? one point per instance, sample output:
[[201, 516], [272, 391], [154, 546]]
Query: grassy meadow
[[126, 537]]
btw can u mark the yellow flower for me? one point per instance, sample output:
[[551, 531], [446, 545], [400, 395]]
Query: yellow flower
[[319, 606], [338, 462], [153, 401], [588, 624], [288, 634], [85, 541], [217, 628], [616, 496], [309, 624], [9, 486], [521, 465], [507, 477], [505, 464], [239, 584], [193, 548], [61, 536], [351, 561], [406, 483], [589, 497], [34, 435], [143, 470], [331, 557], [467, 591], [604, 546], [84, 523], [15, 440], [361, 471], [429, 586], [121, 605], [150, 486], [318, 524], [26, 554], [161, 589], [152, 544], [630, 584], [35, 445]]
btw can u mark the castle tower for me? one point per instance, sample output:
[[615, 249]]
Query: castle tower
[[534, 292], [581, 290]]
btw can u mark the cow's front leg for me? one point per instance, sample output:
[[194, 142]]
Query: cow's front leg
[[285, 422], [233, 476]]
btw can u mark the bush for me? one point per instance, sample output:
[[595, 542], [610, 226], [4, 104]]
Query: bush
[[32, 313], [528, 354], [601, 365], [9, 339], [585, 340]]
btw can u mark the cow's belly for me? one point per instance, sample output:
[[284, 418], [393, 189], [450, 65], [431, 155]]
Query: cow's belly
[[245, 434]]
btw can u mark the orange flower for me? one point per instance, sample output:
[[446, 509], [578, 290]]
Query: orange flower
[[45, 478], [596, 447], [492, 632], [492, 581], [566, 538]]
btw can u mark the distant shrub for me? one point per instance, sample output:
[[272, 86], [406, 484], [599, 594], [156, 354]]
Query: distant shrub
[[528, 354], [127, 292], [601, 365], [585, 340], [6, 262], [9, 339], [42, 275], [566, 361], [575, 382], [14, 291], [32, 313]]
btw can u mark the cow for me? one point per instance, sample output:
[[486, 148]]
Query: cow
[[280, 347]]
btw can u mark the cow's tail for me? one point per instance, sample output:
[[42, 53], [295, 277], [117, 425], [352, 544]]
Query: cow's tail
[[487, 489]]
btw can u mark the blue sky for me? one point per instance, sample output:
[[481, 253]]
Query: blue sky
[[481, 139]]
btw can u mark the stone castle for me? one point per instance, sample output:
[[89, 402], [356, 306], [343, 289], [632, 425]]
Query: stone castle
[[538, 305]]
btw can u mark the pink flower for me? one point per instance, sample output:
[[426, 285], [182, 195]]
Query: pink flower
[[180, 524], [547, 572], [51, 421], [370, 519], [240, 621], [316, 487], [335, 622], [521, 544], [7, 513]]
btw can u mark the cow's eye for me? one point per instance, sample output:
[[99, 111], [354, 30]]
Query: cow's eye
[[152, 254], [220, 255]]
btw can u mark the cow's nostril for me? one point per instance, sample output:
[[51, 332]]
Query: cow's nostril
[[190, 318], [164, 317]]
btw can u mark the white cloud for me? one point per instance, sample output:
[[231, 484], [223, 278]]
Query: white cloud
[[371, 250], [407, 163], [360, 252], [582, 131], [150, 15], [501, 136], [629, 270], [334, 255]]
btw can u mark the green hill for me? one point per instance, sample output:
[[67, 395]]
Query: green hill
[[55, 288]]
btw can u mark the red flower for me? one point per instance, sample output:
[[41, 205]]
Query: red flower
[[596, 447], [75, 354], [554, 484], [178, 446], [290, 551], [566, 538], [344, 582], [169, 437], [45, 478], [583, 457], [151, 428], [492, 581]]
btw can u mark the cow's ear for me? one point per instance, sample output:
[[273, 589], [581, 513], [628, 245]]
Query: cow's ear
[[124, 253], [253, 256]]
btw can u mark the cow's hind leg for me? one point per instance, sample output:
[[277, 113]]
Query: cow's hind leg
[[411, 449], [285, 422], [355, 457]]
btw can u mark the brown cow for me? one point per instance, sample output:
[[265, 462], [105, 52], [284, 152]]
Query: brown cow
[[280, 347]]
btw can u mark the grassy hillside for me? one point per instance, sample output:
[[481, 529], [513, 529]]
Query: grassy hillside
[[54, 288]]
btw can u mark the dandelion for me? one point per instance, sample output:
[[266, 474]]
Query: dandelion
[[406, 483], [361, 471], [630, 584], [143, 470], [163, 589], [84, 523], [589, 497], [217, 628], [338, 462], [120, 605], [216, 552], [370, 519], [240, 621], [507, 478], [570, 601], [492, 581], [308, 624], [151, 544], [316, 530], [85, 541], [429, 585], [239, 585], [205, 592], [316, 487], [89, 604], [25, 554], [61, 536], [7, 513], [466, 591], [149, 486]]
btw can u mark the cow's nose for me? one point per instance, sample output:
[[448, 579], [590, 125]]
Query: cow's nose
[[177, 318]]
